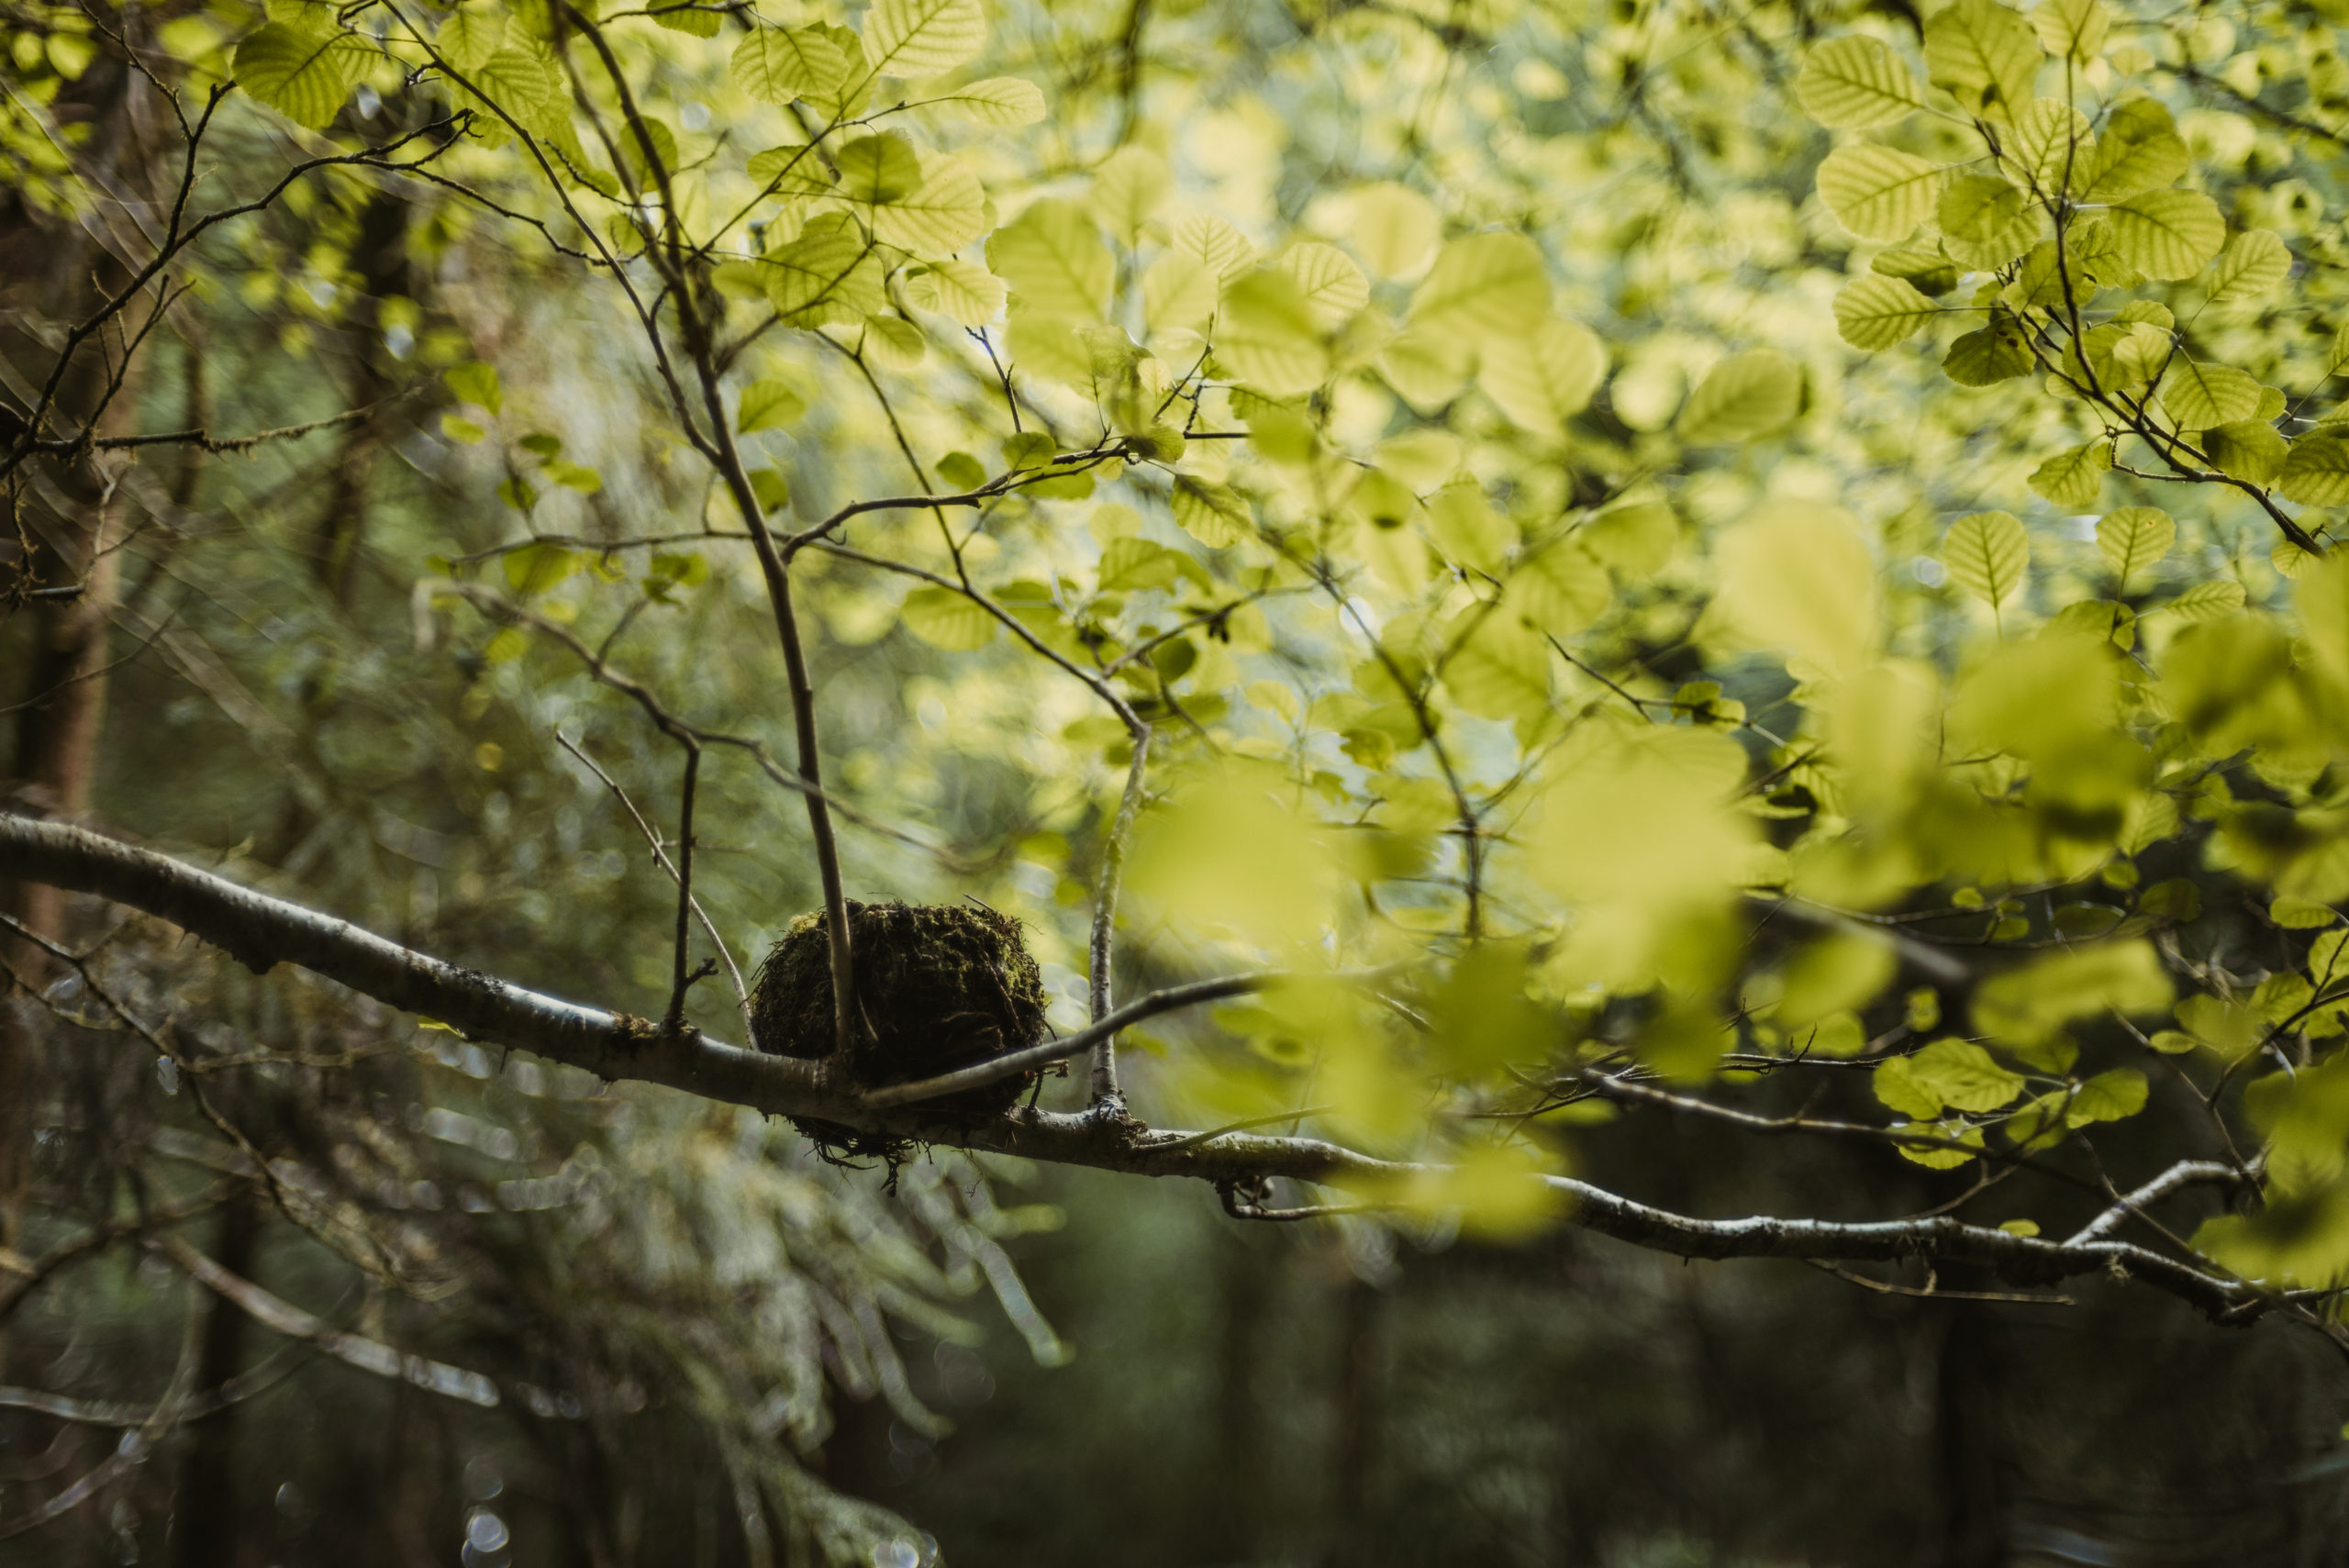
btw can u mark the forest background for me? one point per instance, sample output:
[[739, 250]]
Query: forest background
[[1670, 677]]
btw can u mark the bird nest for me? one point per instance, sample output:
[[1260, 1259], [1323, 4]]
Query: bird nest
[[938, 986]]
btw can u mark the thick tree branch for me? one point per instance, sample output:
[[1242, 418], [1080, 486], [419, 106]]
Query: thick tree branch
[[260, 931]]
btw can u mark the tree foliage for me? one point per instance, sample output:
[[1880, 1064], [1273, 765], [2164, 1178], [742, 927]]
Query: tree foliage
[[1359, 506]]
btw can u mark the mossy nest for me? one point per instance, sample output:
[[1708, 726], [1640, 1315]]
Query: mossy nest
[[938, 986]]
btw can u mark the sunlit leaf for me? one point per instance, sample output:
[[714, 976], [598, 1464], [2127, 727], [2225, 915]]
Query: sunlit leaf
[[1879, 193], [1854, 81], [1988, 555]]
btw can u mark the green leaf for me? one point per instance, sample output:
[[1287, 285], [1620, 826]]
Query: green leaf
[[823, 278], [996, 100], [2254, 262], [1030, 449], [946, 620], [301, 74], [2027, 1005], [1129, 188], [941, 215], [1926, 266], [767, 405], [648, 150], [1988, 555], [2071, 29], [1483, 285], [522, 78], [922, 38], [963, 290], [1855, 82], [2200, 396], [688, 19], [2050, 146], [772, 489], [1394, 229], [1054, 261], [1985, 222], [1544, 377], [2074, 478], [2316, 472], [535, 568], [1988, 354], [2248, 450], [1212, 514], [1963, 1076], [1877, 192], [1213, 241], [791, 170], [2133, 539], [1745, 395], [1876, 312], [776, 65], [2208, 601], [1267, 335], [878, 168], [1330, 281], [2167, 234], [2108, 1096], [1984, 55], [470, 35], [2140, 150], [476, 383]]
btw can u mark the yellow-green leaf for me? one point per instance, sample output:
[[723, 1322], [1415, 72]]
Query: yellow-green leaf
[[996, 100], [301, 74], [1879, 193], [1744, 395], [1053, 259], [1984, 55], [2200, 396], [1985, 222], [922, 38], [2072, 29], [1963, 1077], [944, 618], [2140, 150], [470, 35], [1267, 335], [2074, 478], [2208, 601], [1394, 229], [1331, 283], [1544, 377], [2168, 234], [2134, 538], [2248, 450], [776, 65], [2254, 262], [2317, 472], [1129, 187], [963, 290], [1988, 555], [1855, 82], [2050, 146], [1482, 286], [942, 214], [1212, 514], [1876, 312], [768, 405]]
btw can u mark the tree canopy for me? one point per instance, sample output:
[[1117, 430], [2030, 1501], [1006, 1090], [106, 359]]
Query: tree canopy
[[1460, 573]]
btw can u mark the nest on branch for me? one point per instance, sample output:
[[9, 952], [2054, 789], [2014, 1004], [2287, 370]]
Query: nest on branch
[[938, 986]]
